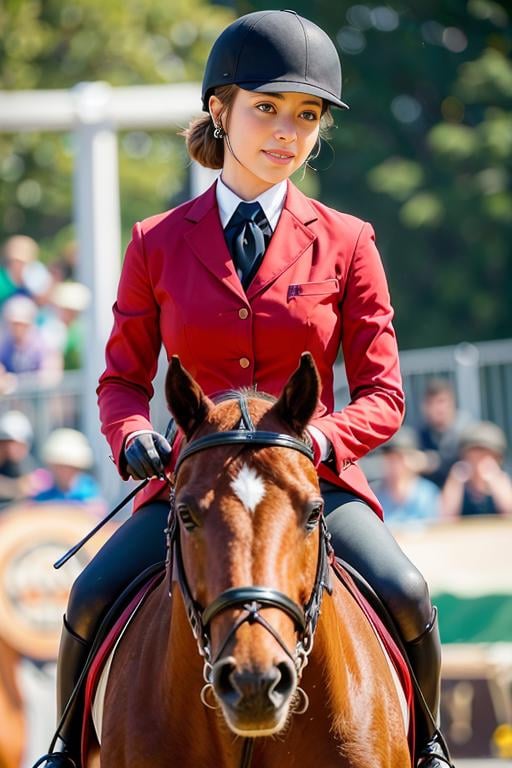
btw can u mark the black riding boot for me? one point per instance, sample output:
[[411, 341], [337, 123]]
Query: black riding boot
[[73, 652], [425, 657], [138, 544]]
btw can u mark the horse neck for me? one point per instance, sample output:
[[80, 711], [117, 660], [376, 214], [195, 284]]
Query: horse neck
[[182, 662], [336, 661], [332, 648]]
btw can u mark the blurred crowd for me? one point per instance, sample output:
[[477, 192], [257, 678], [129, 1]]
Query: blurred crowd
[[446, 466], [41, 335], [40, 315]]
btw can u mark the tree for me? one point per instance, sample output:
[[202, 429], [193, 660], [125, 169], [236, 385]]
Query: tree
[[55, 44], [425, 153]]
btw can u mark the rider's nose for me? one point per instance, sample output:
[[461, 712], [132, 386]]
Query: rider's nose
[[286, 130]]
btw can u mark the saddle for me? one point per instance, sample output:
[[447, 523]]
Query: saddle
[[108, 635], [124, 610]]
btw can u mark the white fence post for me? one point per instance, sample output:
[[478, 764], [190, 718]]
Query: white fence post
[[97, 218], [467, 378]]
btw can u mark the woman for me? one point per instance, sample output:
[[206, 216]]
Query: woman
[[238, 291]]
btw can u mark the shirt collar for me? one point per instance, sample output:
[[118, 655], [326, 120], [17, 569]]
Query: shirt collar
[[272, 202]]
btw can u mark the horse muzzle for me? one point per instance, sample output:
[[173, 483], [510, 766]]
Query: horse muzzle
[[254, 701]]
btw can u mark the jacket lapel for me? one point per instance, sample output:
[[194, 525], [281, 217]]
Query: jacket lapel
[[206, 239], [289, 241], [291, 238]]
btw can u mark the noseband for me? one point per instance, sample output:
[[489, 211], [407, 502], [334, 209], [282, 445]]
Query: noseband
[[249, 600]]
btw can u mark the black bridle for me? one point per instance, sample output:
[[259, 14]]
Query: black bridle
[[251, 600]]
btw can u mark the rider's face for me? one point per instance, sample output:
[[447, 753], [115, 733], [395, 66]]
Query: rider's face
[[269, 136]]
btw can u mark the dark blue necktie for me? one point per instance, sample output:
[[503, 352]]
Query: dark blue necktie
[[247, 235]]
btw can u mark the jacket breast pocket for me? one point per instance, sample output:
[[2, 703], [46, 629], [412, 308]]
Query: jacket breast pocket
[[320, 288]]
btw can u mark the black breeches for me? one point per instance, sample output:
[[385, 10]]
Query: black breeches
[[361, 539], [137, 544]]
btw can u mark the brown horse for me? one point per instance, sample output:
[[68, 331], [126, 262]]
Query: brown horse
[[249, 566], [12, 716]]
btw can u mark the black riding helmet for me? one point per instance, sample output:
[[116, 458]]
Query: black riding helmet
[[273, 51]]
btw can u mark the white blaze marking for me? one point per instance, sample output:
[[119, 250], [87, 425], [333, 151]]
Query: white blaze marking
[[249, 487]]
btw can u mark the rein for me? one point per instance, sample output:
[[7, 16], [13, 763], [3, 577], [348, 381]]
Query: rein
[[251, 600]]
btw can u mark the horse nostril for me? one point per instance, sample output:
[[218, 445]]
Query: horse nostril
[[285, 683], [222, 677]]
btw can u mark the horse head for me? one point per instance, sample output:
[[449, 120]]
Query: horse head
[[248, 541]]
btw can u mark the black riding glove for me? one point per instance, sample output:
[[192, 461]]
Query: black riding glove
[[147, 455]]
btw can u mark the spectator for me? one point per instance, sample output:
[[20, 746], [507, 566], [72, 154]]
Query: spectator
[[19, 252], [64, 266], [22, 347], [19, 477], [478, 484], [440, 430], [39, 282], [405, 496], [69, 459], [62, 323]]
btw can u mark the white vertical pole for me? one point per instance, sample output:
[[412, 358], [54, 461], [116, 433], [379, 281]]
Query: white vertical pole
[[97, 217], [467, 376]]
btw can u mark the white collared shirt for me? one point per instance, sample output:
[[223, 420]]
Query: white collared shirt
[[272, 202]]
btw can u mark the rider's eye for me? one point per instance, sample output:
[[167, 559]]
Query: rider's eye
[[314, 513], [186, 517]]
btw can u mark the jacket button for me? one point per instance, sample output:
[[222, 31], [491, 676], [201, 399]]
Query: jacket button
[[243, 313], [244, 362]]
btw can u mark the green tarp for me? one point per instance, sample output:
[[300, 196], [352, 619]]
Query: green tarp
[[486, 619]]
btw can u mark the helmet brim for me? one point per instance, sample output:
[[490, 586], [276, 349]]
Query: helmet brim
[[283, 86]]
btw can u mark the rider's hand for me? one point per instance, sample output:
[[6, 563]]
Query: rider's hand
[[147, 454]]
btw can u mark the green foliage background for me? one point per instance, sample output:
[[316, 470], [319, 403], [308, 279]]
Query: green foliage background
[[59, 43], [425, 152]]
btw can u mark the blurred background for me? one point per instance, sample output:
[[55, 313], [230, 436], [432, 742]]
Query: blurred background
[[92, 98]]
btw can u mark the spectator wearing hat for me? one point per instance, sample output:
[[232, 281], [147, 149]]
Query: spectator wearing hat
[[62, 323], [404, 494], [68, 456], [478, 484], [19, 252], [22, 346], [19, 475]]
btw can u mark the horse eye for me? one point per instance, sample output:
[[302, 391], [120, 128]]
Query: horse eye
[[315, 511], [186, 517]]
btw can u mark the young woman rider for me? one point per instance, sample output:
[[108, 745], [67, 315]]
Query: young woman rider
[[239, 282]]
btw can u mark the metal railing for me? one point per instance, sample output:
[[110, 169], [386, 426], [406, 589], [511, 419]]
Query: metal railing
[[481, 375]]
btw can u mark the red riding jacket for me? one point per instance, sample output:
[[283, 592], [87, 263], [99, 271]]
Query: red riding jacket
[[321, 286]]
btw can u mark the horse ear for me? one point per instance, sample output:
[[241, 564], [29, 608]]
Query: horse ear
[[299, 398], [185, 398]]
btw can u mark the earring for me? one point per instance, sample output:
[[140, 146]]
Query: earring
[[218, 132]]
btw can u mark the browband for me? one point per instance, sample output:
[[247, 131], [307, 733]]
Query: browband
[[247, 437]]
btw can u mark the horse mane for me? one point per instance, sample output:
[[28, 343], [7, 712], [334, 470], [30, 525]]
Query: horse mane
[[235, 394]]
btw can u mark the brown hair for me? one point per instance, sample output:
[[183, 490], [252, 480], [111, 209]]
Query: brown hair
[[208, 151], [202, 145]]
